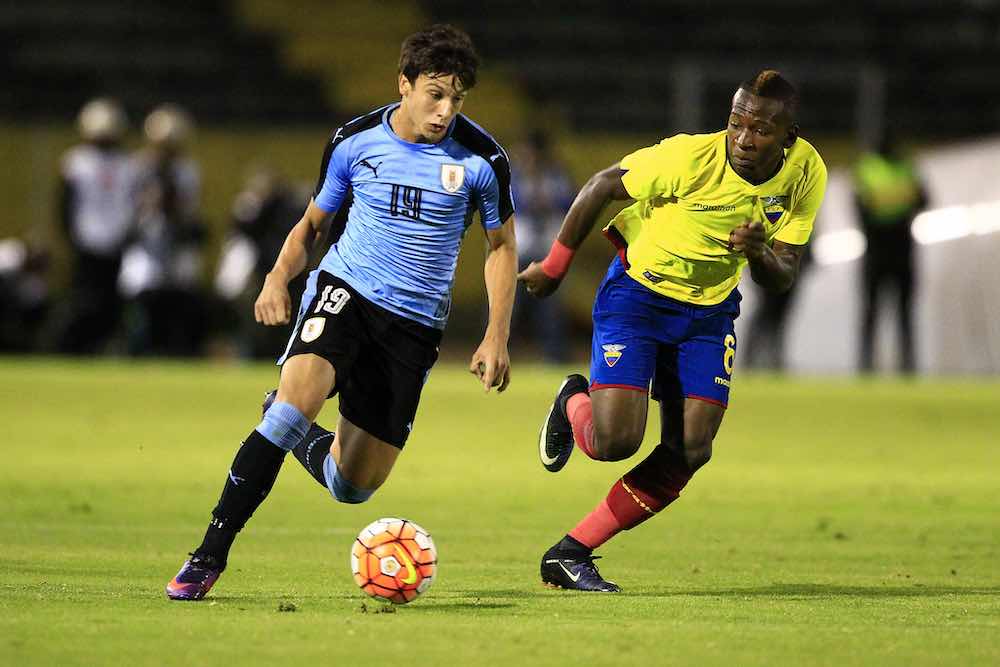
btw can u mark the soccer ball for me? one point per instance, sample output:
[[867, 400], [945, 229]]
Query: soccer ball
[[394, 560]]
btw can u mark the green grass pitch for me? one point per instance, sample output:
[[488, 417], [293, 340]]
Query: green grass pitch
[[840, 522]]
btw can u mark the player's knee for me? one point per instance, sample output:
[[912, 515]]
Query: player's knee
[[617, 444], [284, 426], [340, 488], [697, 451]]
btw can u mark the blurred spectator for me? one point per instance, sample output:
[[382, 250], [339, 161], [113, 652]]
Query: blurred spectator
[[96, 211], [888, 195], [263, 215], [543, 192], [765, 341], [161, 269], [24, 295]]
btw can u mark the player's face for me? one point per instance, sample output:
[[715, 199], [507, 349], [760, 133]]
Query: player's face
[[758, 133], [429, 104]]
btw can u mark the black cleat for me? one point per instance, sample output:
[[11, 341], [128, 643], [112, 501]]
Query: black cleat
[[555, 440], [574, 571]]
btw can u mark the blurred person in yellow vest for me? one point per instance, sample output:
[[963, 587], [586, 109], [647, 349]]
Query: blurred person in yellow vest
[[888, 196]]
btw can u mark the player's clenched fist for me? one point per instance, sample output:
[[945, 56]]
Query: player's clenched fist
[[274, 305], [537, 282], [748, 238]]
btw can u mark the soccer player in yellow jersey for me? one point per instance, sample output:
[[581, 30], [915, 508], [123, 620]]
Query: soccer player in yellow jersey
[[706, 206]]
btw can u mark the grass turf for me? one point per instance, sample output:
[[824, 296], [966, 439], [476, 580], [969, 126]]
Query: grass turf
[[840, 522]]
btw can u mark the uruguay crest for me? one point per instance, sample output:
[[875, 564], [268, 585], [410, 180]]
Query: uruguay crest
[[452, 177], [612, 353], [774, 206], [312, 329]]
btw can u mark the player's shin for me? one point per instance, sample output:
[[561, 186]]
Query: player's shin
[[250, 479], [252, 475], [643, 491], [580, 414]]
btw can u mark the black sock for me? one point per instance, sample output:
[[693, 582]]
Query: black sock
[[312, 451], [250, 479], [569, 545]]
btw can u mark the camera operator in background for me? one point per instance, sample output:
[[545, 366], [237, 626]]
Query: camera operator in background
[[161, 270]]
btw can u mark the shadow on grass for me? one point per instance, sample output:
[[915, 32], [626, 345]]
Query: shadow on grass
[[469, 605], [813, 591]]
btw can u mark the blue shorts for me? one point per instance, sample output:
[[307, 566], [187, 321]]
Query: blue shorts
[[641, 336]]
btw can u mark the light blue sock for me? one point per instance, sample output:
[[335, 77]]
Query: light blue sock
[[284, 426], [340, 488]]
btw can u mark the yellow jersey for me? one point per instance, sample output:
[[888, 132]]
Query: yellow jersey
[[676, 235]]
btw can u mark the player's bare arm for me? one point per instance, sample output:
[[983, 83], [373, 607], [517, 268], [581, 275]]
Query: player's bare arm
[[543, 278], [491, 361], [772, 267], [274, 305]]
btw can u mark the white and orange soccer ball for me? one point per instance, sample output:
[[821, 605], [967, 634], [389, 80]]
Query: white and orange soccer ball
[[394, 560]]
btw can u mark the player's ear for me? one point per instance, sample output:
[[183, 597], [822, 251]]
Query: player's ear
[[404, 85], [793, 134]]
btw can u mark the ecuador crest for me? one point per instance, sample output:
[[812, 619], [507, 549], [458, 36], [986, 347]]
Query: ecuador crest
[[774, 206], [612, 353]]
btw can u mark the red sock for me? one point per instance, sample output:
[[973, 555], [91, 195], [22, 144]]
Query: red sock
[[581, 418], [642, 492]]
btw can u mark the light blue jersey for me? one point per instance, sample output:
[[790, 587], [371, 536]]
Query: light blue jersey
[[410, 205]]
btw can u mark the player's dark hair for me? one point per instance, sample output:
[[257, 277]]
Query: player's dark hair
[[440, 49], [771, 84]]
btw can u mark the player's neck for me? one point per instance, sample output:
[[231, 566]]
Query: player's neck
[[404, 128]]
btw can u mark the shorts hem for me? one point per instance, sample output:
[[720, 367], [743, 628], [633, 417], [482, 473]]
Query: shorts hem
[[350, 415], [714, 401], [600, 385]]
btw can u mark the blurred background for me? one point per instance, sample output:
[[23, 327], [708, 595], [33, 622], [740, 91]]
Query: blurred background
[[154, 155]]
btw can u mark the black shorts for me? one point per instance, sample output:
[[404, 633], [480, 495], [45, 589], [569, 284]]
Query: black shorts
[[381, 359]]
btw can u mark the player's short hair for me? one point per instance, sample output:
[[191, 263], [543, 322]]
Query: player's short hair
[[771, 84], [439, 49]]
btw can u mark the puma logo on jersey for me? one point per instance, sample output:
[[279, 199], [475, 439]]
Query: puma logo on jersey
[[374, 168]]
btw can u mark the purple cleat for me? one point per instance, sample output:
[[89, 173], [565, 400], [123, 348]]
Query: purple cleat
[[195, 579]]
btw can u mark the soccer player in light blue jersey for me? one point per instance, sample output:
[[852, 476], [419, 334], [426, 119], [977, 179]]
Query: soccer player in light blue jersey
[[409, 177]]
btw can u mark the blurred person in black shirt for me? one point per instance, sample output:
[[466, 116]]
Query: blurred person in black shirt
[[24, 294], [543, 191], [161, 270], [263, 214]]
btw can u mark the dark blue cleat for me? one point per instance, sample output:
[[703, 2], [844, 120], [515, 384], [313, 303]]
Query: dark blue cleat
[[555, 440], [574, 571]]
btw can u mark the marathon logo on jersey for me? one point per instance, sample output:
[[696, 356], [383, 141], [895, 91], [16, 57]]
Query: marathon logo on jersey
[[774, 206], [612, 353], [452, 177], [652, 277], [312, 329]]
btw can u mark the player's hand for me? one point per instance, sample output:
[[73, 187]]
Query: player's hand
[[491, 364], [536, 282], [749, 239], [274, 305]]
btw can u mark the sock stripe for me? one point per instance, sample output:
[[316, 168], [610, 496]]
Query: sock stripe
[[636, 498], [314, 442]]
